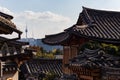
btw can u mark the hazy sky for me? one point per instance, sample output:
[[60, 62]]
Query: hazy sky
[[45, 17]]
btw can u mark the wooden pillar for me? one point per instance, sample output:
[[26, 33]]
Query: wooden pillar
[[74, 52], [66, 55], [69, 53]]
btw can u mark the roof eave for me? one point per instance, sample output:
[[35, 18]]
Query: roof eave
[[60, 41], [113, 41]]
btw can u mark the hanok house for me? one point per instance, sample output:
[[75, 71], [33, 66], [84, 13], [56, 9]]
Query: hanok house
[[12, 55], [90, 64]]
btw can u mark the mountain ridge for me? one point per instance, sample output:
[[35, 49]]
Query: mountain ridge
[[38, 42]]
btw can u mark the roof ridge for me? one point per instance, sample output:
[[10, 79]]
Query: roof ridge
[[101, 10], [85, 11], [6, 15]]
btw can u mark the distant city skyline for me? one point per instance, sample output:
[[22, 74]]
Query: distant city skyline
[[45, 17]]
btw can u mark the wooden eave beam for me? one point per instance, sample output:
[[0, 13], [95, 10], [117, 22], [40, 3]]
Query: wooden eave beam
[[5, 30]]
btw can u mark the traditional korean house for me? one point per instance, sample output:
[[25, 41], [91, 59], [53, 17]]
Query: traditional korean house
[[84, 54], [12, 53]]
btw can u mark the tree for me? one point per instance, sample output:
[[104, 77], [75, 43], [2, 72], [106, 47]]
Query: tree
[[39, 51], [51, 76], [56, 51]]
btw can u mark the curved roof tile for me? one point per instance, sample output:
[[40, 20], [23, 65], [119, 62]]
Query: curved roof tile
[[102, 25], [57, 38]]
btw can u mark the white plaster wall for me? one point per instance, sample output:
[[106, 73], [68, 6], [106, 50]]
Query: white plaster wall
[[14, 76]]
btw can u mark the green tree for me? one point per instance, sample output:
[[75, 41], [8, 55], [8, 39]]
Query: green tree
[[50, 76], [56, 51]]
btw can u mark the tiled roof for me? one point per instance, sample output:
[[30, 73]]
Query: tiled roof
[[6, 25], [14, 49], [11, 43], [95, 59], [43, 65], [57, 38], [98, 24], [93, 24], [96, 62], [20, 56]]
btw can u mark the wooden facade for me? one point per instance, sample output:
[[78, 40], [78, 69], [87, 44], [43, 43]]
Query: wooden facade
[[69, 53]]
